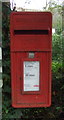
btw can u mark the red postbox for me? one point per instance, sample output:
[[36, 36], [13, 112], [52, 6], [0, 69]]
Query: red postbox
[[31, 39]]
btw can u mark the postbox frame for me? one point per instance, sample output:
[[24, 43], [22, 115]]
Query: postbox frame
[[19, 54]]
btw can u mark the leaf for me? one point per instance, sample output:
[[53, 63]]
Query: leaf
[[58, 108]]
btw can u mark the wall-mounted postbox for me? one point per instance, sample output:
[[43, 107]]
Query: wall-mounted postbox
[[31, 37]]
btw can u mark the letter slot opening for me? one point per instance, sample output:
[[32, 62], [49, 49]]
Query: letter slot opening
[[31, 32]]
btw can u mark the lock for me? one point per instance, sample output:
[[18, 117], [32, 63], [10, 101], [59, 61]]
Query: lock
[[31, 55]]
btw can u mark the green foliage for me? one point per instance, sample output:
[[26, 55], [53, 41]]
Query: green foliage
[[57, 47], [58, 26], [56, 66]]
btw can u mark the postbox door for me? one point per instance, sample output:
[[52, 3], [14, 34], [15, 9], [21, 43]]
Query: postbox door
[[32, 84]]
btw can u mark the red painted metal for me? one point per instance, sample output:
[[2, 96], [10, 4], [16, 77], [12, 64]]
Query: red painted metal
[[31, 32]]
